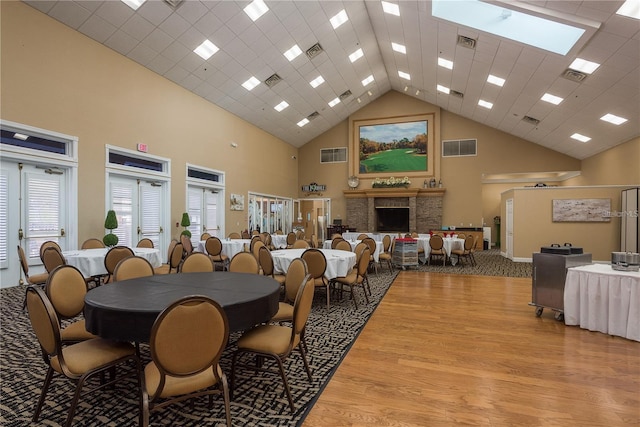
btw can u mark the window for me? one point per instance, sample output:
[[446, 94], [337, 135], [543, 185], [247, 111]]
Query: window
[[459, 148], [333, 155]]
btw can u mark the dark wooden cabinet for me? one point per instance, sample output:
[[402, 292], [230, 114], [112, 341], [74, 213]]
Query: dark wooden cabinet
[[333, 229]]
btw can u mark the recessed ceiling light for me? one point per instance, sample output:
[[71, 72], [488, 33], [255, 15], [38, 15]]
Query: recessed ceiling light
[[281, 106], [21, 136], [583, 65], [206, 50], [359, 100], [445, 63], [334, 102], [417, 92], [367, 80], [485, 104], [369, 93], [406, 88], [630, 8], [339, 19], [494, 80], [613, 119], [316, 82], [399, 48], [293, 53], [580, 138], [443, 89], [133, 4], [256, 9], [303, 122], [356, 55], [391, 8], [404, 75], [552, 99], [251, 83]]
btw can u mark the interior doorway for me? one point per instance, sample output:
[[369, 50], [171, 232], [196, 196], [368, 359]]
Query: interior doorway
[[315, 214]]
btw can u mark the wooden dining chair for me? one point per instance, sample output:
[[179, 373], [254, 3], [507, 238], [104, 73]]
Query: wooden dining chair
[[34, 279], [437, 249], [48, 244], [132, 267], [266, 264], [316, 266], [197, 262], [93, 243], [244, 262], [145, 243], [213, 246], [113, 257], [52, 257], [357, 277]]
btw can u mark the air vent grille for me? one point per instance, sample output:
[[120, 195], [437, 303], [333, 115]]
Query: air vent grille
[[313, 115], [273, 80], [456, 94], [344, 95], [467, 42], [530, 120], [573, 75], [314, 51]]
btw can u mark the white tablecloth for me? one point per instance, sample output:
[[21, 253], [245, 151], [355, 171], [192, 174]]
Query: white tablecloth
[[353, 243], [338, 262], [91, 261], [279, 241], [449, 243], [353, 235], [230, 247], [598, 298]]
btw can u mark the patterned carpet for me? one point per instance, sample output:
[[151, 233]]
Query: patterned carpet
[[259, 399], [489, 263]]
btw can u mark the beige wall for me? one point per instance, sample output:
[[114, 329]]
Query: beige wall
[[618, 165], [58, 79], [533, 226]]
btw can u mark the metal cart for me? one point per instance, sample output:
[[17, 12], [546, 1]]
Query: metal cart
[[549, 274], [405, 253]]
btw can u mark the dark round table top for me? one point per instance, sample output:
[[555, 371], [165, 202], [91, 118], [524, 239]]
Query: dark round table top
[[126, 310]]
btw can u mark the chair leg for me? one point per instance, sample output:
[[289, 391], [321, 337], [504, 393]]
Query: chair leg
[[227, 400], [303, 353], [74, 401], [43, 394], [286, 384]]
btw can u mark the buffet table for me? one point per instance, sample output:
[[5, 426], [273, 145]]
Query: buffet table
[[598, 298]]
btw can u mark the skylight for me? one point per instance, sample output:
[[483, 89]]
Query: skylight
[[580, 138], [367, 80], [613, 119], [584, 66], [334, 102], [316, 82], [251, 83], [206, 50], [256, 9], [339, 19], [495, 19], [281, 106], [552, 99], [630, 8], [133, 4], [391, 8], [356, 55], [399, 48], [495, 80], [293, 53], [404, 75]]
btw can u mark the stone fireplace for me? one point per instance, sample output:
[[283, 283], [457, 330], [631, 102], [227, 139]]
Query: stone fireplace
[[395, 209]]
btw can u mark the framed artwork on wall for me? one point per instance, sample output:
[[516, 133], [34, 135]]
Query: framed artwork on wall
[[393, 146], [581, 210], [237, 202]]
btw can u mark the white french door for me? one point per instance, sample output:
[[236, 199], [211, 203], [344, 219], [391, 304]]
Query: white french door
[[140, 209], [204, 208]]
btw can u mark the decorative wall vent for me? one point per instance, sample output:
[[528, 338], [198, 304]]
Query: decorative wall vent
[[573, 75], [333, 155], [273, 80], [456, 94], [531, 120], [467, 42], [344, 95], [314, 51], [459, 147], [313, 115]]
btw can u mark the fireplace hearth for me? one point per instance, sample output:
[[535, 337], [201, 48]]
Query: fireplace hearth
[[392, 219]]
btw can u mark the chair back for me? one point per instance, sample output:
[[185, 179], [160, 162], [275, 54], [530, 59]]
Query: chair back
[[279, 232], [186, 243], [145, 243], [316, 262], [302, 308], [359, 248], [172, 244], [257, 244], [176, 257], [44, 322], [131, 268], [52, 258], [335, 235], [92, 243], [244, 262], [235, 235], [300, 244], [469, 242], [213, 246], [343, 245], [336, 240], [188, 337], [462, 236], [436, 242], [23, 261], [48, 244], [296, 275], [245, 235], [66, 289], [386, 243], [265, 260], [291, 238], [197, 262], [363, 262], [114, 256], [204, 236], [362, 236], [371, 243]]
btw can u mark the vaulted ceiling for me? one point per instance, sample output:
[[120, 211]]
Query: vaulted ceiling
[[162, 37]]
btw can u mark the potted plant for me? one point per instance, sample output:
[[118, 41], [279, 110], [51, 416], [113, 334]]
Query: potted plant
[[110, 223], [185, 222]]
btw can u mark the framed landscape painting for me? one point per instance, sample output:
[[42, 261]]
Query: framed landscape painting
[[396, 146]]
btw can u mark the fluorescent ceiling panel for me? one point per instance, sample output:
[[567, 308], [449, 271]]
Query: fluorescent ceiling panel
[[494, 80], [256, 9], [630, 8], [611, 118], [251, 83], [339, 19], [316, 82], [133, 4], [580, 138], [206, 50], [584, 66], [443, 89], [281, 106], [399, 47], [303, 122], [293, 53], [334, 102], [367, 81], [552, 99], [404, 75], [391, 8], [356, 55], [502, 19], [485, 104]]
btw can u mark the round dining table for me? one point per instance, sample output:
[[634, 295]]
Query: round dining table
[[338, 262], [126, 310], [91, 261]]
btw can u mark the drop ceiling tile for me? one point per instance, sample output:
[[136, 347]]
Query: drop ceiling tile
[[154, 11], [160, 64], [97, 28], [70, 14], [138, 27], [176, 51], [121, 42], [142, 54], [175, 25], [158, 40], [114, 12], [192, 11], [208, 24]]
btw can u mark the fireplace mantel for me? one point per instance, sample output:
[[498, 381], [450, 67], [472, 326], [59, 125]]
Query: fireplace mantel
[[394, 192]]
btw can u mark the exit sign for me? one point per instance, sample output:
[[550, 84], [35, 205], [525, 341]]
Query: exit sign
[[143, 148]]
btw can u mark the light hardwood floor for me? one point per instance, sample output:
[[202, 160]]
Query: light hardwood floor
[[445, 350]]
